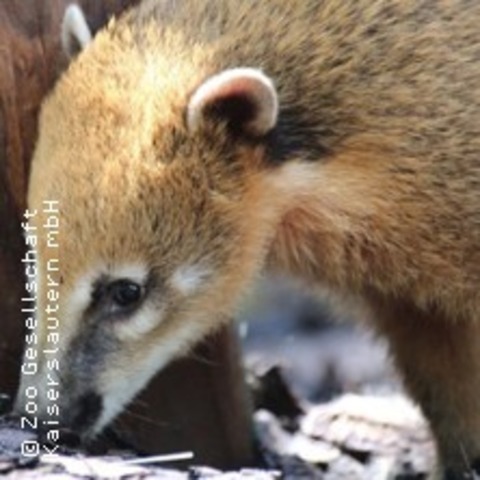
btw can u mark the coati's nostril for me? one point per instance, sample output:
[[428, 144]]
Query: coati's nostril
[[88, 409]]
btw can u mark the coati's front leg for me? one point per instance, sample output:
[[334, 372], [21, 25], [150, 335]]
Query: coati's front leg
[[440, 364]]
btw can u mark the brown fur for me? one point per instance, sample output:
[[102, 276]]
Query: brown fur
[[370, 185]]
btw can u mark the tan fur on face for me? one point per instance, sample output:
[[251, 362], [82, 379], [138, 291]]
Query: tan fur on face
[[368, 184]]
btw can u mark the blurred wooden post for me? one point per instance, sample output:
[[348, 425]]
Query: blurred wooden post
[[197, 405]]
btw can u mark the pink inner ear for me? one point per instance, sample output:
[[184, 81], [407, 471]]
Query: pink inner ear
[[244, 97], [237, 87]]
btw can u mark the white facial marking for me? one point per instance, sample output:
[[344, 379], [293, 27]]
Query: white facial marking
[[81, 294], [117, 390], [187, 279], [132, 271], [140, 323]]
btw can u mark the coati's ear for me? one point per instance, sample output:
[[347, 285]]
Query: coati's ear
[[76, 33], [243, 97]]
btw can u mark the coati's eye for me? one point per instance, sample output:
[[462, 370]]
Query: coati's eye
[[117, 296], [125, 293]]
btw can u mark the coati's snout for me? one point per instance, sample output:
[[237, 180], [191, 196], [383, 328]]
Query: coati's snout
[[64, 411], [79, 416], [121, 324]]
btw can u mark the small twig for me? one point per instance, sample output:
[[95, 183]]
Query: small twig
[[172, 457]]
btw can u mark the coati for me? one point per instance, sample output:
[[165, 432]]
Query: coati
[[193, 144]]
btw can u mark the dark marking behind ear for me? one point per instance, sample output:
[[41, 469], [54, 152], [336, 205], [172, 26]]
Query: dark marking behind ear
[[295, 136]]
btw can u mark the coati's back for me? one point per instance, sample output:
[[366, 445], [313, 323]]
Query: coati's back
[[193, 143], [340, 68], [391, 87]]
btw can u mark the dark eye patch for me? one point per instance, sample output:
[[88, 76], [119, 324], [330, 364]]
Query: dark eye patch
[[125, 293], [116, 297]]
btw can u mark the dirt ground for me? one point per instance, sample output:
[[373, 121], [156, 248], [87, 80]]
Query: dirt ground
[[355, 437]]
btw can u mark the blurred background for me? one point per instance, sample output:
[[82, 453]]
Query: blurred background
[[320, 352]]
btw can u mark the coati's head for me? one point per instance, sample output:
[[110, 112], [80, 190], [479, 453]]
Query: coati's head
[[165, 208]]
